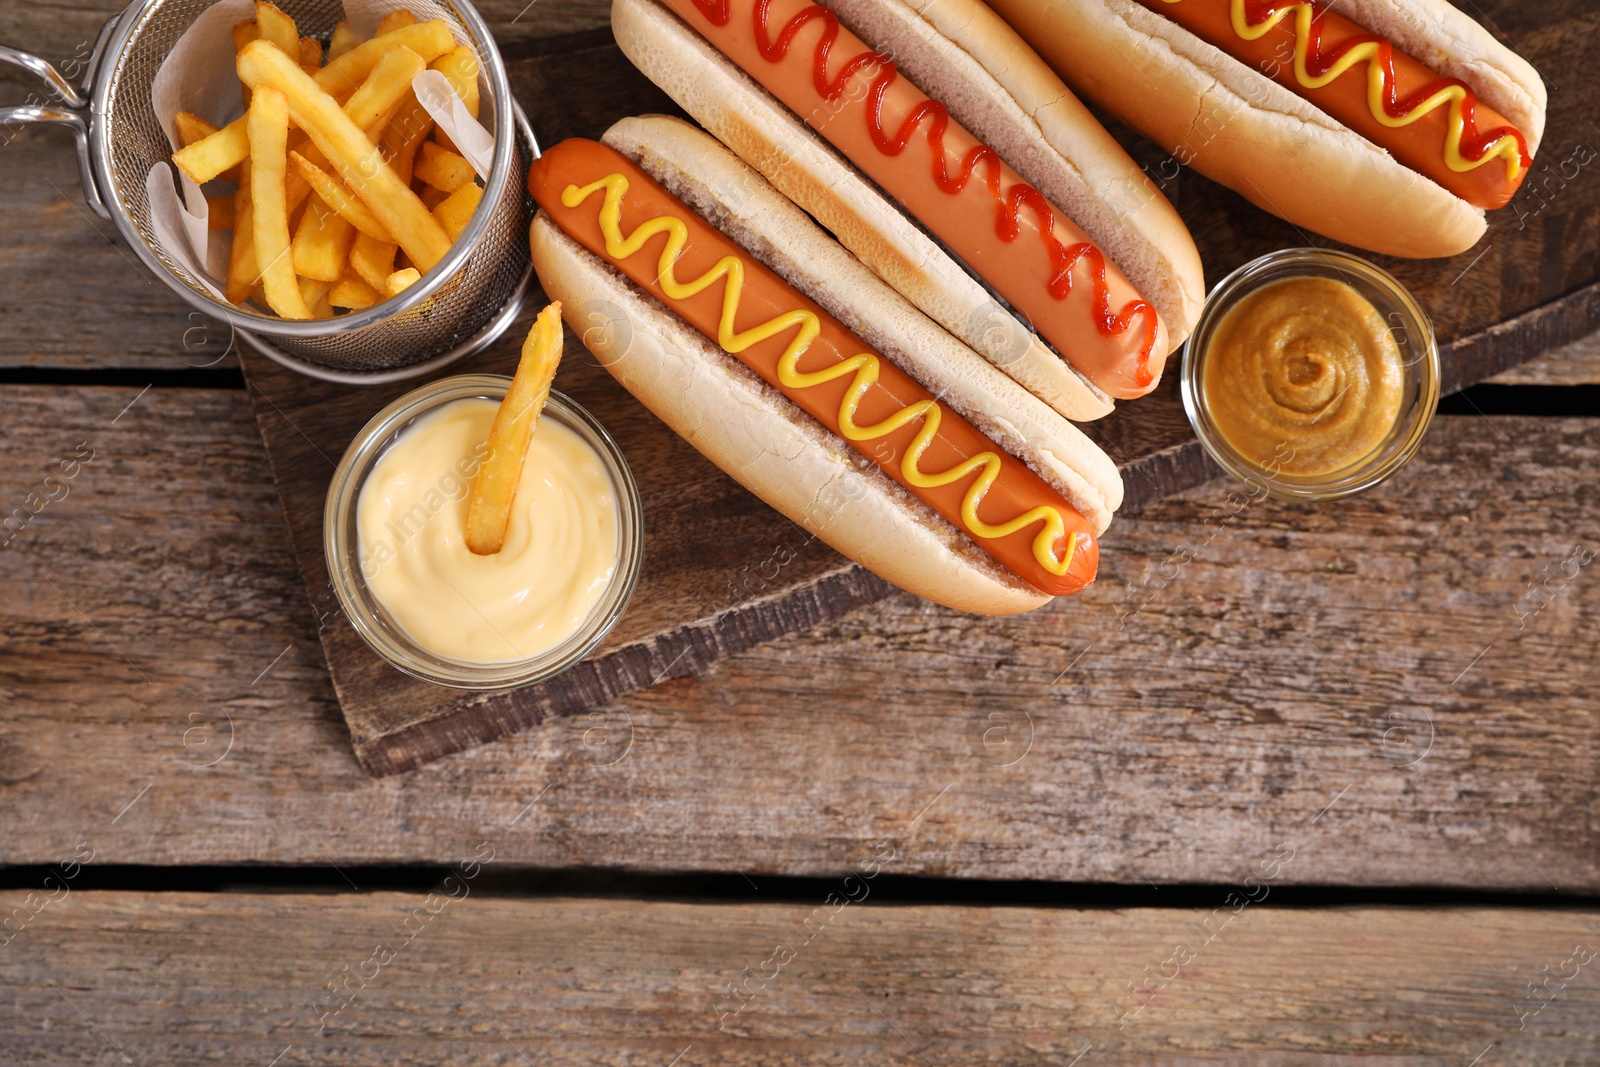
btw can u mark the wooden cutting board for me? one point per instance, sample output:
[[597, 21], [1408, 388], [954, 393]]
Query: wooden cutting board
[[723, 572]]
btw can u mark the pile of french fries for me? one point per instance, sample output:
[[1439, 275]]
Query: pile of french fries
[[346, 193]]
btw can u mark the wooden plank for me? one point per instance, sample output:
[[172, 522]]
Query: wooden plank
[[697, 599], [76, 295], [1227, 680], [181, 978], [1575, 364], [92, 304], [1539, 249], [577, 85]]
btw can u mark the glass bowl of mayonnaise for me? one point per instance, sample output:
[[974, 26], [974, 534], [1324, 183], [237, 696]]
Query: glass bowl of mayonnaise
[[394, 535], [1311, 375]]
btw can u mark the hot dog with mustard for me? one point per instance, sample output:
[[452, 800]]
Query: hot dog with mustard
[[923, 491], [1389, 124]]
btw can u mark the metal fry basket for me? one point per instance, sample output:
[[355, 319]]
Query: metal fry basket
[[467, 300]]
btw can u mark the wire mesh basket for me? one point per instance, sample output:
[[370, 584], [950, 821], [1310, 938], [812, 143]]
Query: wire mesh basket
[[460, 305]]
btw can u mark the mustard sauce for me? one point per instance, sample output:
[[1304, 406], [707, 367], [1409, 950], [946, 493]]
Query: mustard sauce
[[863, 370], [1303, 377]]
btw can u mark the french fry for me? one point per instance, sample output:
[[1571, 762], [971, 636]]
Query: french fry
[[206, 159], [403, 136], [460, 68], [342, 40], [443, 169], [315, 294], [347, 118], [297, 212], [431, 197], [245, 32], [352, 154], [321, 244], [495, 487], [353, 293], [297, 188], [400, 281], [242, 272], [278, 28], [192, 128], [342, 200], [456, 210], [374, 132], [269, 143], [402, 162], [384, 88], [220, 214], [310, 55], [395, 19], [312, 289], [215, 154], [344, 75], [373, 260]]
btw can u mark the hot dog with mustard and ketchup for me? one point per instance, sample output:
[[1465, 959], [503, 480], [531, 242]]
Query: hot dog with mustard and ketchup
[[793, 367], [1392, 125], [964, 174]]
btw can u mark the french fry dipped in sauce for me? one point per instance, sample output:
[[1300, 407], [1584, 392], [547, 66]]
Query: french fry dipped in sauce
[[484, 541], [495, 487]]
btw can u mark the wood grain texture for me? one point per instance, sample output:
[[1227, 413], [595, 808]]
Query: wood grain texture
[[577, 85], [1542, 247], [187, 978], [71, 293], [1400, 686], [703, 592], [1574, 364]]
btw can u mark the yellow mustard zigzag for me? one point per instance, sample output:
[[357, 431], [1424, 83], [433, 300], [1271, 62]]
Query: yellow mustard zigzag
[[864, 366], [1505, 146]]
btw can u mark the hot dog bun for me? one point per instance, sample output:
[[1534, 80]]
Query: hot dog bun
[[762, 439], [994, 85], [1237, 126]]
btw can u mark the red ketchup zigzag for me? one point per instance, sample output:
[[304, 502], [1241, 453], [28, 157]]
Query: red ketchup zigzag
[[1008, 204]]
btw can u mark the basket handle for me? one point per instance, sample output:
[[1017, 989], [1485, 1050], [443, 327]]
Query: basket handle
[[72, 113], [54, 80]]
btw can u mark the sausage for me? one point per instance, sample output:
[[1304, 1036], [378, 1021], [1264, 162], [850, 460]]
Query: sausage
[[1004, 229], [618, 212], [1438, 114]]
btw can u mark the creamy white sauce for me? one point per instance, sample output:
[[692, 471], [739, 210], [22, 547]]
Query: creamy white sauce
[[560, 550]]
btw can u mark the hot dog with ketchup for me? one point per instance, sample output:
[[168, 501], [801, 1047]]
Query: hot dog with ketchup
[[978, 143], [898, 462], [1388, 124]]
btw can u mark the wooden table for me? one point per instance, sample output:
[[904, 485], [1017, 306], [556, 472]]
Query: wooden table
[[1290, 785]]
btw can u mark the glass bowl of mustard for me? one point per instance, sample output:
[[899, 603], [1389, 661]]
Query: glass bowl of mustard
[[1311, 375], [393, 534]]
